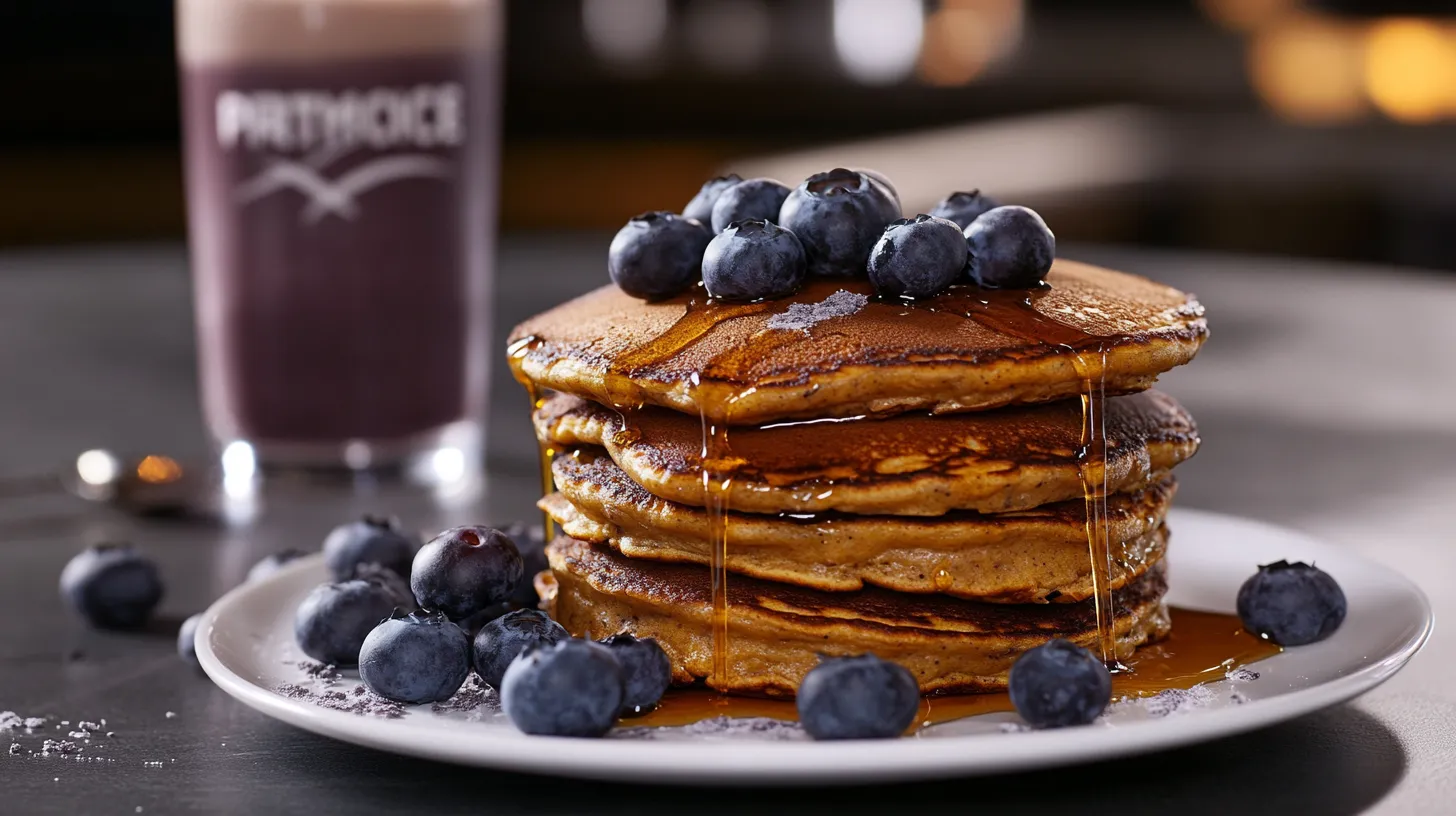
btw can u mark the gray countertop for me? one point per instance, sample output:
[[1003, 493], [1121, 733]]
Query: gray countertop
[[1325, 400]]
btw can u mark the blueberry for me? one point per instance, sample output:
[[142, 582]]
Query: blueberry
[[646, 669], [466, 569], [838, 216], [759, 198], [1011, 248], [498, 642], [397, 587], [883, 182], [918, 258], [112, 585], [657, 255], [531, 541], [963, 208], [701, 207], [369, 540], [568, 689], [1058, 684], [857, 698], [417, 658], [1291, 604], [334, 619], [187, 639], [753, 260], [270, 564]]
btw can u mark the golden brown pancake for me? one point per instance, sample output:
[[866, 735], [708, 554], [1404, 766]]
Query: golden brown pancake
[[911, 464], [1032, 556], [824, 354], [777, 632]]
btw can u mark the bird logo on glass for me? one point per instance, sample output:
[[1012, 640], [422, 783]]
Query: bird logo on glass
[[327, 128]]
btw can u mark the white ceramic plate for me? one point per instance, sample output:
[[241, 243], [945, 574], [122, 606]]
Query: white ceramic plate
[[245, 644]]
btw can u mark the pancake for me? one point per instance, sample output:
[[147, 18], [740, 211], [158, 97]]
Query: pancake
[[1033, 556], [912, 464], [823, 354], [777, 632]]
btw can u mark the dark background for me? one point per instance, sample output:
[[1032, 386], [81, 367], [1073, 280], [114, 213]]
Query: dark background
[[1313, 128]]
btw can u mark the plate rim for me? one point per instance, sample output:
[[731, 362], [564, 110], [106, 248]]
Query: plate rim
[[797, 762]]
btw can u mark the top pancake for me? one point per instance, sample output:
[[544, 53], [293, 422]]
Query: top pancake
[[821, 353]]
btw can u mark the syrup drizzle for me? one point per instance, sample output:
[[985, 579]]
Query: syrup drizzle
[[516, 354]]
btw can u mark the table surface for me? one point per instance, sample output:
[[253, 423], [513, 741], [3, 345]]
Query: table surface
[[1324, 399]]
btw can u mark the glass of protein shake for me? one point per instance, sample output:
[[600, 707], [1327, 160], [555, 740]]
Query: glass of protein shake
[[341, 160]]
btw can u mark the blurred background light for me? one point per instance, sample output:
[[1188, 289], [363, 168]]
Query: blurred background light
[[878, 41], [963, 37], [1246, 15], [1310, 70], [625, 33], [1410, 70], [729, 36]]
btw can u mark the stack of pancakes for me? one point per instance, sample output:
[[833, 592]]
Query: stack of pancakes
[[901, 479]]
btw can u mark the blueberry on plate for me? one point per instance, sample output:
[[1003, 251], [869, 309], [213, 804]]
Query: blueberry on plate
[[371, 540], [917, 258], [646, 669], [1011, 248], [464, 570], [860, 697], [657, 255], [883, 182], [333, 620], [187, 639], [112, 586], [500, 641], [568, 689], [700, 208], [759, 198], [1059, 684], [270, 564], [420, 657], [398, 588], [753, 260], [838, 216], [1291, 604], [963, 208]]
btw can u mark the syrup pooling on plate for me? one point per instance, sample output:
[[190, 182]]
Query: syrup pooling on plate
[[1203, 647], [515, 354]]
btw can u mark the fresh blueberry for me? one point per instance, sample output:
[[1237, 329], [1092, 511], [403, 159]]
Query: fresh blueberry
[[398, 588], [701, 207], [883, 182], [371, 540], [572, 688], [531, 541], [500, 641], [1011, 248], [332, 622], [657, 255], [187, 639], [857, 698], [963, 208], [646, 668], [466, 569], [753, 260], [270, 564], [759, 198], [838, 216], [417, 658], [1058, 684], [918, 258], [1291, 604], [112, 585]]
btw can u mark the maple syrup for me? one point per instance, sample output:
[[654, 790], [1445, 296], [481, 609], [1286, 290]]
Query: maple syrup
[[547, 452], [1202, 647]]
